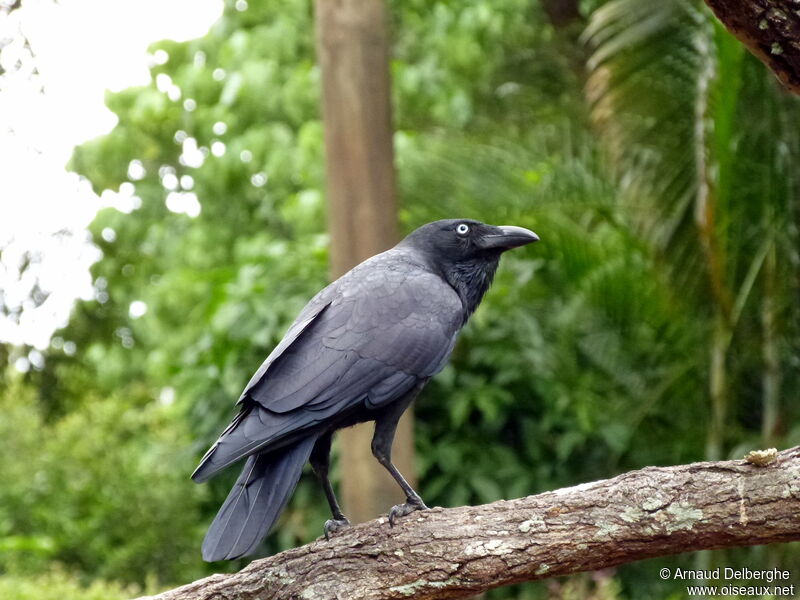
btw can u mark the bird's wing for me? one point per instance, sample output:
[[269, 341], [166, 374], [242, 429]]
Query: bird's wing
[[306, 317], [385, 328], [380, 330]]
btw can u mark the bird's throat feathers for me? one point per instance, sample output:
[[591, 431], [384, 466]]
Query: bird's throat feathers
[[471, 279]]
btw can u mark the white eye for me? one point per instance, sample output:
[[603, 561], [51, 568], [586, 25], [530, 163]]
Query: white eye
[[462, 229]]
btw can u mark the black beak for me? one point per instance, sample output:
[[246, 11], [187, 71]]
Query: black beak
[[508, 237]]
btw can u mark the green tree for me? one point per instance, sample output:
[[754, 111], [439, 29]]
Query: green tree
[[698, 139], [100, 490]]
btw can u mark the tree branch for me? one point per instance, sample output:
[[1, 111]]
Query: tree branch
[[458, 552], [770, 29]]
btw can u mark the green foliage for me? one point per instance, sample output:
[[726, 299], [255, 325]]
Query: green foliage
[[56, 585], [711, 189], [101, 490]]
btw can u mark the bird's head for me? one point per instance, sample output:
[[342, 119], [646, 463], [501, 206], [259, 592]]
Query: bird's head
[[453, 241], [466, 252]]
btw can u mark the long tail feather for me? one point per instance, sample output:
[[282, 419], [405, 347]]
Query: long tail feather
[[255, 502]]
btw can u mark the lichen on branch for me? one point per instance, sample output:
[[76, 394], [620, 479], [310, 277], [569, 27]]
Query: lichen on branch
[[770, 29]]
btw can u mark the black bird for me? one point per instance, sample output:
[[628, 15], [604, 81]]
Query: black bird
[[360, 350]]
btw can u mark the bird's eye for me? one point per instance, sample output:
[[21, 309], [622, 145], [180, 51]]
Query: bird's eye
[[462, 229]]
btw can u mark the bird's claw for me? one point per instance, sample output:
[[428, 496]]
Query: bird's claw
[[401, 510], [334, 525]]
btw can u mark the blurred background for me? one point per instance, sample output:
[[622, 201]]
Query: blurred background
[[154, 248]]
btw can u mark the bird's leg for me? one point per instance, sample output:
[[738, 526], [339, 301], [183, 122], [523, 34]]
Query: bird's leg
[[320, 463], [385, 426]]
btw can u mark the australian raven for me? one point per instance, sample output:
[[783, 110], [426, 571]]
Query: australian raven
[[360, 350]]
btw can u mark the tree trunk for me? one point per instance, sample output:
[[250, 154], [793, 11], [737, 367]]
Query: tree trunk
[[705, 215], [458, 552], [771, 377], [770, 29], [562, 13], [353, 51]]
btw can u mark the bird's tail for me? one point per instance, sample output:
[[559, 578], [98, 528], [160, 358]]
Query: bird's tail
[[256, 501]]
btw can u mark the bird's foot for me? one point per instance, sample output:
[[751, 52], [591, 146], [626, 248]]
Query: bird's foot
[[401, 510], [334, 525]]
